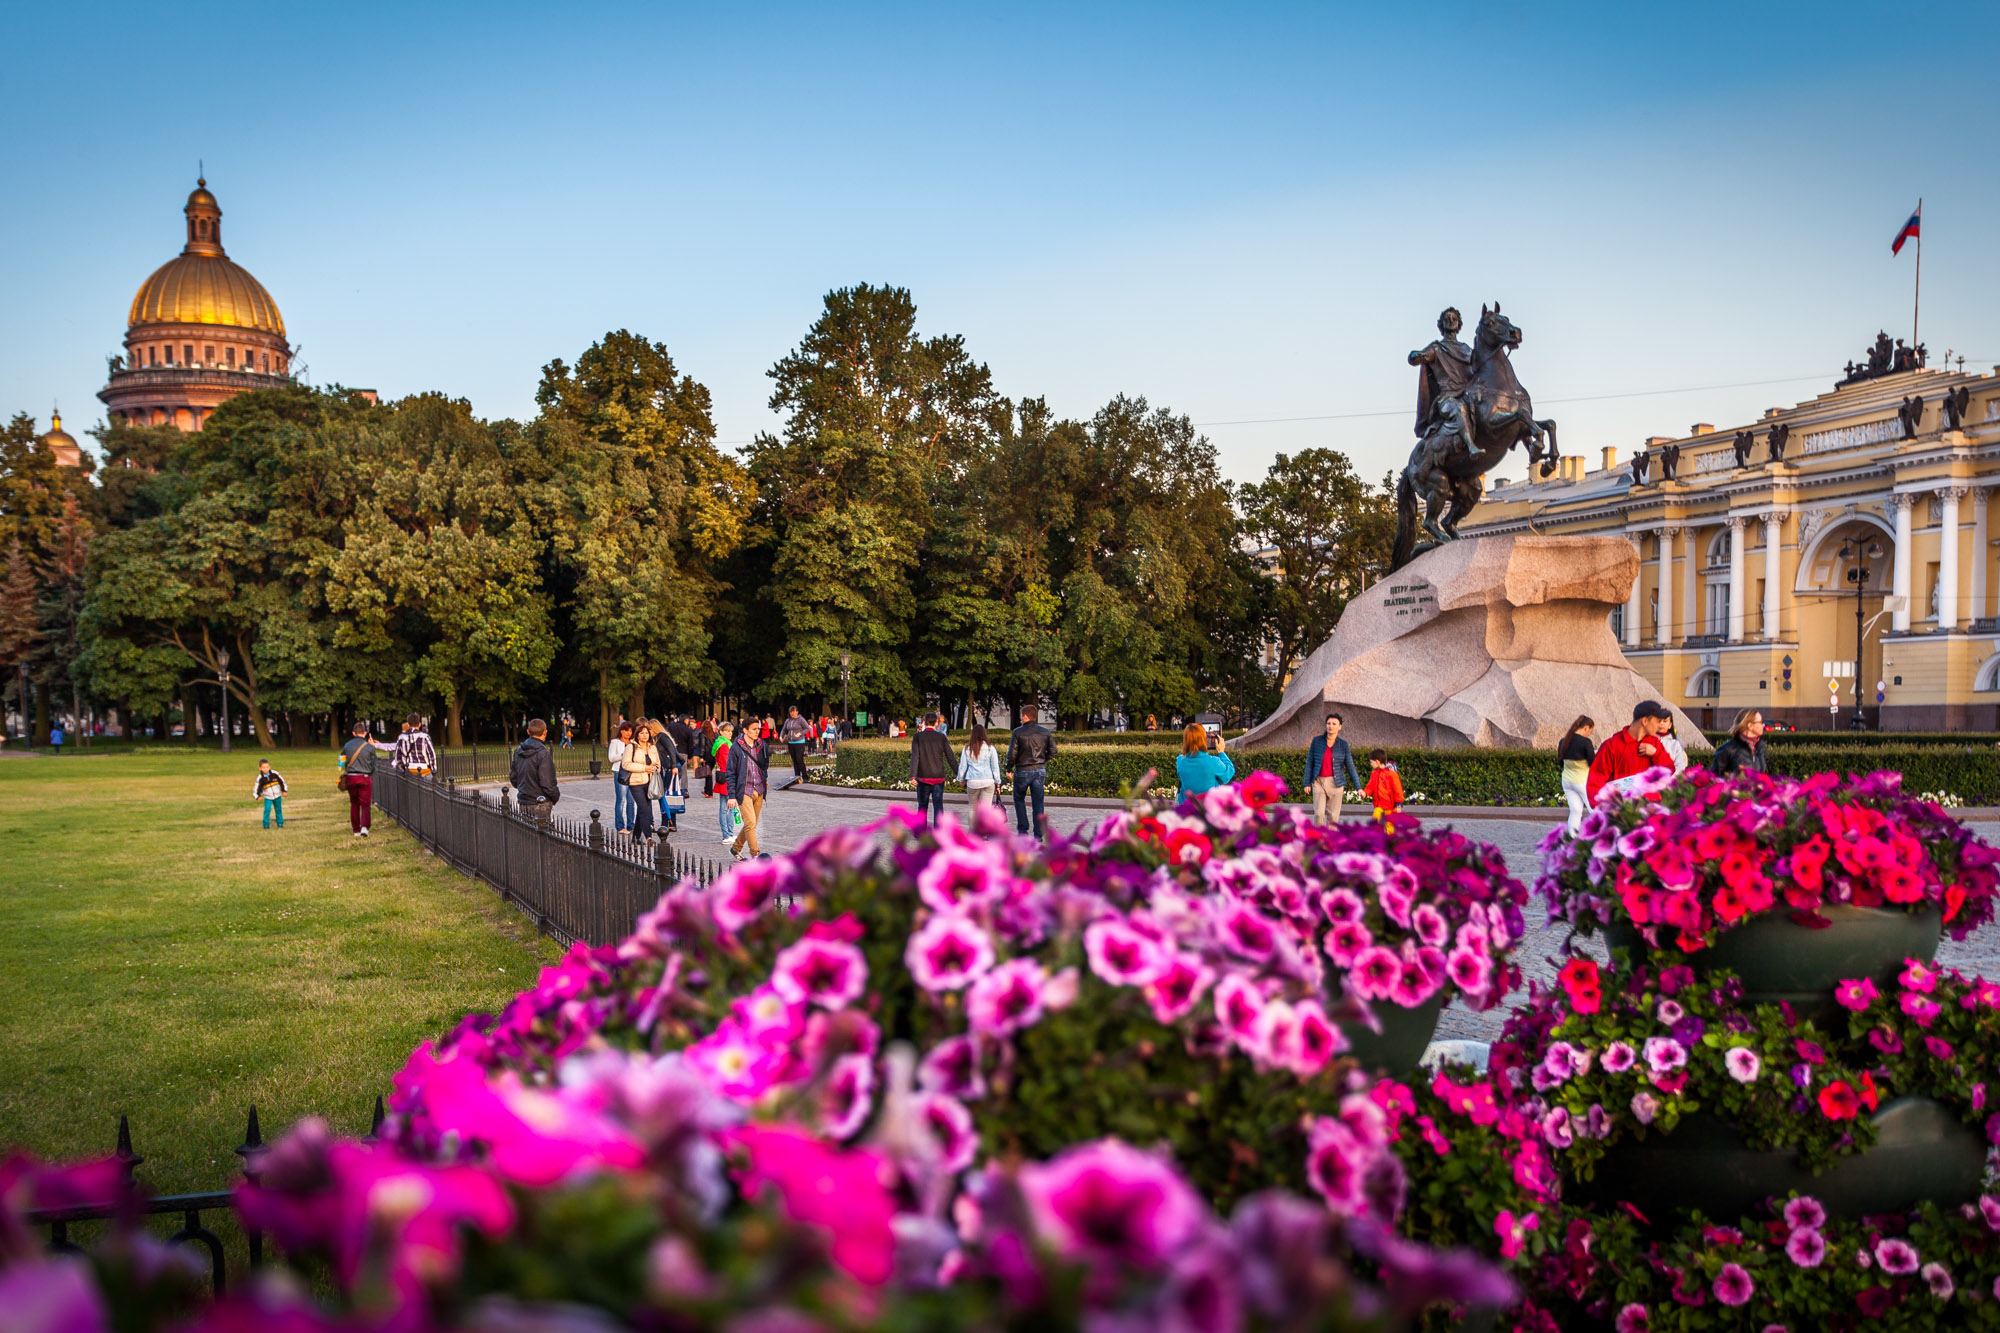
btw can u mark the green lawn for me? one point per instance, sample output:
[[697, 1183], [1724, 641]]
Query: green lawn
[[163, 956]]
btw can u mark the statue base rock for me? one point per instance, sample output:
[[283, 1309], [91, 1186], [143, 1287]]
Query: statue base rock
[[1486, 641]]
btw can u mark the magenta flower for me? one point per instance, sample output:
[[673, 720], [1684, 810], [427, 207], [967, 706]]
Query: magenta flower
[[1644, 1107], [1938, 1279], [1896, 1256], [1743, 1064], [1226, 810], [1732, 1285], [948, 953], [1375, 973], [843, 1193], [1397, 897], [1177, 992], [1513, 1231], [1343, 906], [1939, 1048], [1277, 1038], [1123, 956], [964, 875], [847, 1098], [55, 1295], [1855, 995], [1246, 933], [1804, 1214], [741, 895], [1924, 1011], [1415, 985], [1671, 1012], [1919, 976], [1336, 1163], [1109, 1203], [829, 973], [1318, 1039], [1008, 998], [1989, 1208], [1556, 1131], [737, 1062], [767, 1015], [1633, 1318], [1664, 1053], [533, 1136], [952, 1068], [1346, 940], [1619, 1057], [1805, 1248], [1430, 925], [1470, 972], [1239, 1007], [950, 1124]]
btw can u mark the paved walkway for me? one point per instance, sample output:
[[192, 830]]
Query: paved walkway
[[790, 817]]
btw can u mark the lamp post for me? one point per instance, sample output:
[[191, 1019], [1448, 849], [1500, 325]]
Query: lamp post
[[846, 666], [222, 675], [1857, 555]]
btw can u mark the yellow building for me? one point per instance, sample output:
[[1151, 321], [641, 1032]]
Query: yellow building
[[1752, 567]]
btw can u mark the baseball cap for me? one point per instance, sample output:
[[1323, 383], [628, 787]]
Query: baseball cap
[[1650, 708]]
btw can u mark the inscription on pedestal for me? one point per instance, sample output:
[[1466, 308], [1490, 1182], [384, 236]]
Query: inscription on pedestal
[[1411, 599]]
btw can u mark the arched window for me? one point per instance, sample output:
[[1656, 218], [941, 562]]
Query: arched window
[[1705, 684], [1988, 678]]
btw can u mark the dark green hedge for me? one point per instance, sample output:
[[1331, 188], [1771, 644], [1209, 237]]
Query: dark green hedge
[[1469, 777], [1870, 740]]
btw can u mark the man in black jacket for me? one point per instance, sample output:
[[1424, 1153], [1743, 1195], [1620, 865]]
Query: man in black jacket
[[533, 773], [931, 764], [1743, 750], [1028, 755], [794, 732]]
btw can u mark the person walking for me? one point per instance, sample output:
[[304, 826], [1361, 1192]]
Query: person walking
[[979, 770], [621, 793], [1744, 750], [931, 763], [795, 733], [709, 732], [665, 776], [533, 773], [1385, 786], [1631, 750], [270, 789], [1675, 750], [719, 767], [1330, 772], [749, 762], [415, 754], [1029, 750], [357, 774], [1203, 763], [1575, 752], [636, 770]]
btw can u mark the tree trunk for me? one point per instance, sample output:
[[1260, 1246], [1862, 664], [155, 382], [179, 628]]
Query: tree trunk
[[41, 713], [603, 705], [635, 707], [453, 723]]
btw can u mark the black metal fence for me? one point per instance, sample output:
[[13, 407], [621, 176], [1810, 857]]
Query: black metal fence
[[576, 879], [489, 763]]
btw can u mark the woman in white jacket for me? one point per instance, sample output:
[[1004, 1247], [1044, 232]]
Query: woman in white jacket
[[979, 769]]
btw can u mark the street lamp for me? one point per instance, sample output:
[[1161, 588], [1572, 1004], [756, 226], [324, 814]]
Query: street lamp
[[846, 670], [1858, 557], [222, 675]]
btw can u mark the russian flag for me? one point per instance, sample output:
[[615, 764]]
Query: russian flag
[[1910, 228]]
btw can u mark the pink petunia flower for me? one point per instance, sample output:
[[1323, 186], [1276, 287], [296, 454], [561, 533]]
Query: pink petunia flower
[[1896, 1256], [1938, 1279], [1470, 972], [1619, 1057], [1245, 932], [1733, 1285], [1109, 1203], [960, 877], [1919, 976], [1743, 1064], [1177, 992], [950, 1124], [1805, 1248], [1923, 1011], [1633, 1318], [736, 1062], [847, 1098], [948, 953], [952, 1067], [1318, 1039], [1375, 973], [1804, 1213], [843, 1193], [1856, 995], [829, 973], [1239, 1007], [1644, 1107], [1336, 1165], [1664, 1053], [1430, 925], [1513, 1231], [1123, 956], [1346, 940], [1989, 1208], [1007, 999], [742, 895], [1342, 906]]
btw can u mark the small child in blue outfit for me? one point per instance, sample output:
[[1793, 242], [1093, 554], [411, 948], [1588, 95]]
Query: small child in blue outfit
[[270, 789]]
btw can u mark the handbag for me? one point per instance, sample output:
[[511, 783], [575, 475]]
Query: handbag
[[676, 795], [655, 788]]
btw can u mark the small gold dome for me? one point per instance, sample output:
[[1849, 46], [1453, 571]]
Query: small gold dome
[[205, 289], [63, 444]]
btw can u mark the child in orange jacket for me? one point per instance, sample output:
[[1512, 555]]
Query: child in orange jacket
[[1385, 786]]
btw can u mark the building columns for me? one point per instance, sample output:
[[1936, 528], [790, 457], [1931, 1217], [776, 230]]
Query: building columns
[[1981, 607], [1666, 626], [1774, 526], [1739, 533], [1899, 621], [1691, 612], [1948, 616], [1632, 603]]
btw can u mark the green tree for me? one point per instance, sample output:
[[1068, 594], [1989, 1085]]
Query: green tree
[[1326, 532], [878, 421]]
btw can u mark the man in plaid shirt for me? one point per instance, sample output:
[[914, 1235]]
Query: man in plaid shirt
[[414, 751]]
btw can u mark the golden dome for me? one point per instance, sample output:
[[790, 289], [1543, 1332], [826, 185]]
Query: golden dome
[[202, 285], [206, 289], [62, 444]]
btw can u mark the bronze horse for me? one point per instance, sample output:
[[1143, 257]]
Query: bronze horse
[[1467, 439]]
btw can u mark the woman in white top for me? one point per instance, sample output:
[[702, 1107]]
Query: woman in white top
[[635, 774], [622, 806], [1675, 750], [979, 769]]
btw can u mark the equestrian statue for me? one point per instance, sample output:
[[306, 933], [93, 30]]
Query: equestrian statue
[[1470, 412]]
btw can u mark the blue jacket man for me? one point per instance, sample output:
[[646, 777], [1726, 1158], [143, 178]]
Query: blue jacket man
[[1328, 761]]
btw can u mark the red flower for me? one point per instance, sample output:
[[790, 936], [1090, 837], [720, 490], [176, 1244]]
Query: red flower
[[1260, 789], [1808, 859], [1184, 846], [1870, 1097], [1875, 1301], [1954, 898], [1837, 1101], [1581, 982]]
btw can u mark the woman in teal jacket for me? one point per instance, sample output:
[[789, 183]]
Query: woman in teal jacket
[[1200, 768]]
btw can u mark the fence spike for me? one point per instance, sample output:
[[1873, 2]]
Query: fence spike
[[375, 1125], [124, 1152], [253, 1135]]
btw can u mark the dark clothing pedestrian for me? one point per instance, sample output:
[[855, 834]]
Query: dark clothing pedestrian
[[686, 739], [358, 758], [749, 765], [1029, 784], [931, 762], [1319, 765], [533, 773], [1736, 755], [1031, 746]]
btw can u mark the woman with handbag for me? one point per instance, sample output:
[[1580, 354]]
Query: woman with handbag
[[636, 770], [979, 770], [667, 772]]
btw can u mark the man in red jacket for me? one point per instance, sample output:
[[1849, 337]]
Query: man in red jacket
[[1632, 750]]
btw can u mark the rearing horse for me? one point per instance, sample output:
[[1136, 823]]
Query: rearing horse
[[1444, 469]]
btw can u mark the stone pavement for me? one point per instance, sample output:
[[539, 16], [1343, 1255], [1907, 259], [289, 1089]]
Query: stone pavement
[[792, 817]]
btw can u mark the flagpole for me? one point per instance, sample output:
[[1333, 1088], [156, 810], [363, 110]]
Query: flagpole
[[1917, 299]]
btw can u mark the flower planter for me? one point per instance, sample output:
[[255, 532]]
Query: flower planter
[[1924, 1152], [1400, 1044], [1778, 959]]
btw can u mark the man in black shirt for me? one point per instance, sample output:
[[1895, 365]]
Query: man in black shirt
[[533, 773], [931, 764], [1028, 754]]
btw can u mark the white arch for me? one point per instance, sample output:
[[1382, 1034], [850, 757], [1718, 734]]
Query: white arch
[[1988, 677], [1706, 683], [1802, 579]]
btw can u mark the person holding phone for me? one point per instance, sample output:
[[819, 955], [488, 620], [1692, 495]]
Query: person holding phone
[[1203, 764]]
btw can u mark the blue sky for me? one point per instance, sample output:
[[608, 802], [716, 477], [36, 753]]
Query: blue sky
[[1243, 212]]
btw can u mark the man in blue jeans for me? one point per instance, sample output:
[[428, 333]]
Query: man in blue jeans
[[1028, 755], [624, 805]]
